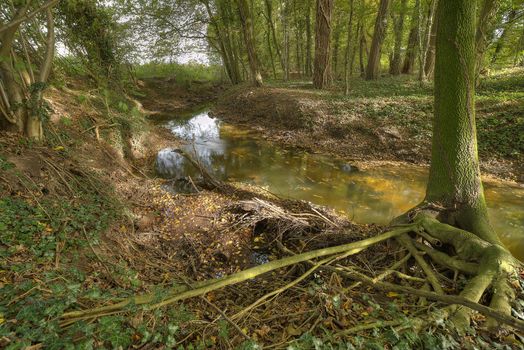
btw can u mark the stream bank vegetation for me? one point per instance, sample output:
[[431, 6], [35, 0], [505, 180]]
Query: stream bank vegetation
[[96, 251]]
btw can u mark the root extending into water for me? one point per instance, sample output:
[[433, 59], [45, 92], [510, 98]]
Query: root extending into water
[[489, 264], [495, 268]]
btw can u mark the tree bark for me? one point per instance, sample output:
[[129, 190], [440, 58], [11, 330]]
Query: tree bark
[[379, 33], [245, 20], [347, 56], [429, 64], [394, 67], [309, 65], [271, 26], [322, 66], [411, 52], [454, 179], [425, 47]]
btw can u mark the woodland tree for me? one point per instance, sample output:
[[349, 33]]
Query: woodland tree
[[247, 30], [322, 66], [378, 37], [454, 185], [21, 104], [398, 26]]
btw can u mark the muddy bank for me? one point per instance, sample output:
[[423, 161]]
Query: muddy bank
[[359, 129], [164, 96]]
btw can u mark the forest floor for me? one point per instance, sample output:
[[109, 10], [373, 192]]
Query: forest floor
[[384, 120], [85, 221]]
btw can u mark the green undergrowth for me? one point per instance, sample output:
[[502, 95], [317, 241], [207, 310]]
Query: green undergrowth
[[403, 102], [184, 74]]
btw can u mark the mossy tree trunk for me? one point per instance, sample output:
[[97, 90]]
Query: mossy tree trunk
[[322, 77], [454, 179]]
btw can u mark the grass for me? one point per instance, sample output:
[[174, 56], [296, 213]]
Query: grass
[[183, 73]]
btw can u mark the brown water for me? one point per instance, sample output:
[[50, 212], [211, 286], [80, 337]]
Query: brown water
[[372, 196]]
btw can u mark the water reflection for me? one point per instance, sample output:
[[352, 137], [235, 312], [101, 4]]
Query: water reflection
[[371, 196]]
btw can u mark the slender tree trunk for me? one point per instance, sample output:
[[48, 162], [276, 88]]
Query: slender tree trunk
[[285, 20], [349, 44], [411, 52], [271, 26], [309, 64], [362, 49], [270, 51], [484, 32], [454, 179], [518, 59], [427, 38], [322, 66], [245, 20], [429, 63], [379, 33], [336, 48], [394, 68], [502, 38]]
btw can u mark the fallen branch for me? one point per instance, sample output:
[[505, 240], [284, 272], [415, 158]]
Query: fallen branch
[[151, 300]]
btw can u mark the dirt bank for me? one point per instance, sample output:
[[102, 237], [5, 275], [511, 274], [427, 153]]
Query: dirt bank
[[367, 127], [163, 96]]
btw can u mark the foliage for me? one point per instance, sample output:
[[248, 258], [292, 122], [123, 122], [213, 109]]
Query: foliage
[[183, 74]]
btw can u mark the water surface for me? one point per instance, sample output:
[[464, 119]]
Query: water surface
[[372, 196]]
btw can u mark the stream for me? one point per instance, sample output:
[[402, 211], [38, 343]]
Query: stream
[[375, 195]]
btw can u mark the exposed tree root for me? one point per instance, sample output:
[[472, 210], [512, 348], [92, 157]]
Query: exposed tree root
[[489, 264], [496, 267]]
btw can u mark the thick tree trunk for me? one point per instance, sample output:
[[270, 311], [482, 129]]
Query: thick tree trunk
[[381, 23], [394, 67], [245, 20], [322, 66], [454, 180]]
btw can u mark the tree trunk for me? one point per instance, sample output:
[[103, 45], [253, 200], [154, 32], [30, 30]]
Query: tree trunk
[[411, 52], [336, 47], [394, 68], [322, 66], [309, 64], [349, 43], [271, 26], [362, 49], [429, 64], [381, 23], [20, 100], [500, 41], [245, 20], [484, 33], [454, 179], [425, 47], [285, 24]]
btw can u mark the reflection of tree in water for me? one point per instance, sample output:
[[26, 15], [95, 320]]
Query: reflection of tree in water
[[367, 196]]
